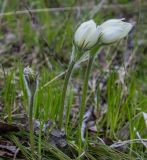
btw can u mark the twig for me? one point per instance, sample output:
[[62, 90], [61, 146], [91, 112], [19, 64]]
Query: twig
[[86, 117], [122, 143], [76, 8], [82, 59], [97, 8], [138, 135], [54, 79]]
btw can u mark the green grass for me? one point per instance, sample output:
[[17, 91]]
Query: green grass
[[45, 41]]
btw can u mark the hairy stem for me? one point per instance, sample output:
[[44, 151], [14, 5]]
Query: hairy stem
[[67, 78], [31, 123], [84, 94]]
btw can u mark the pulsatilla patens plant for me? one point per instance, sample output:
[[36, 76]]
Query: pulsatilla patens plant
[[31, 84], [89, 38]]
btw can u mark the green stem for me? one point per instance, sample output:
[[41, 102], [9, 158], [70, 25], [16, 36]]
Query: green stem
[[67, 78], [84, 94], [40, 142], [31, 124]]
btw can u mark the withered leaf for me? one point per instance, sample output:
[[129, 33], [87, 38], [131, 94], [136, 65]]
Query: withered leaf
[[5, 127]]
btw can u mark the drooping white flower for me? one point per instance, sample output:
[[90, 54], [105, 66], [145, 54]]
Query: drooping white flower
[[114, 30], [87, 35]]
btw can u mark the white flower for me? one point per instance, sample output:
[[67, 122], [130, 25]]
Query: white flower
[[87, 35], [114, 30]]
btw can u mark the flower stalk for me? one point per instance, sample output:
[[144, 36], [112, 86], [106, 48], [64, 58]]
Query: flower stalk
[[64, 90], [31, 126], [31, 83], [73, 60], [84, 94]]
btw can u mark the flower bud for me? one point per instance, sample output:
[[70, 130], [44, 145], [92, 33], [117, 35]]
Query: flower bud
[[87, 34], [29, 74], [114, 30], [31, 81]]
